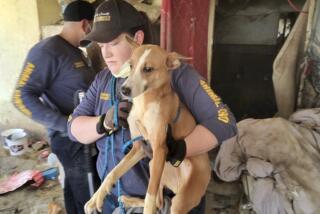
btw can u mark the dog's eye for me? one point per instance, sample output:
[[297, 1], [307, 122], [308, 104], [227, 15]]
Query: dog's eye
[[147, 69]]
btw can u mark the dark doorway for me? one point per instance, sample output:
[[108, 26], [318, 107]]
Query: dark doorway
[[248, 36]]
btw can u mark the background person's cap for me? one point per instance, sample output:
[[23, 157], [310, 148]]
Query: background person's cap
[[112, 18], [78, 10]]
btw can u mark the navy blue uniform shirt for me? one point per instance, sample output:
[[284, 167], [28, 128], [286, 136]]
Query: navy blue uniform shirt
[[206, 107], [53, 70]]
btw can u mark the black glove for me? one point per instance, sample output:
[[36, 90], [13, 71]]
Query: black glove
[[106, 122], [176, 149], [124, 108]]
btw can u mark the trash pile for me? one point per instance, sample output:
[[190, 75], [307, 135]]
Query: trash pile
[[30, 175]]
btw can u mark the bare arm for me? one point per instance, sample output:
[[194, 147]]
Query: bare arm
[[83, 128], [195, 146]]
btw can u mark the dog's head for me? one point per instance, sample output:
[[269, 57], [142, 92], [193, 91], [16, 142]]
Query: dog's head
[[150, 69]]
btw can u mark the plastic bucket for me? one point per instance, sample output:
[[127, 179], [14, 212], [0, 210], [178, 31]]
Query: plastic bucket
[[18, 143], [6, 133]]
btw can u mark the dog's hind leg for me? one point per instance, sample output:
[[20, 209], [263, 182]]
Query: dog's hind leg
[[182, 204], [131, 201], [185, 200]]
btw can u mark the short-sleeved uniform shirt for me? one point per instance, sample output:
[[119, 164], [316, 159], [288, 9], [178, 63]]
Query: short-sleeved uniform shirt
[[206, 107]]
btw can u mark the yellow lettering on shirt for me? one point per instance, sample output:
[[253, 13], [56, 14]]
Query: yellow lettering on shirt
[[104, 96], [215, 98], [28, 69], [19, 103], [223, 115]]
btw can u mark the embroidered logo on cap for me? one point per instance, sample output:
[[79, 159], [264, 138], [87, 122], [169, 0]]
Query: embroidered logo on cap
[[102, 17]]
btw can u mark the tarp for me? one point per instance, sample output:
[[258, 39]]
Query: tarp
[[286, 65], [283, 156]]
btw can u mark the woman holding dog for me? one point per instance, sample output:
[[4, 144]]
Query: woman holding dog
[[94, 121]]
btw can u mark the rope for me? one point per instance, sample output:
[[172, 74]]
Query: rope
[[110, 141], [129, 143]]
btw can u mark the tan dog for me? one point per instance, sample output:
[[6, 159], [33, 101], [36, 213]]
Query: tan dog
[[155, 105]]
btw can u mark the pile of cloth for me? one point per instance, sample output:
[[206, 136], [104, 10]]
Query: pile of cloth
[[282, 158]]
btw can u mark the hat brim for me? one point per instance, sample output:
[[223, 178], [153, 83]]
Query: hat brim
[[100, 37]]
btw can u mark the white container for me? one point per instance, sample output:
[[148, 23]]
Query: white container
[[52, 160], [6, 133], [18, 143]]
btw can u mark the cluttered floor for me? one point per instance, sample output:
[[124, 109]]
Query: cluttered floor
[[277, 158], [29, 185]]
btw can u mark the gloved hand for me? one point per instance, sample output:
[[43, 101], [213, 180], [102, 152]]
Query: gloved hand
[[176, 149], [124, 108]]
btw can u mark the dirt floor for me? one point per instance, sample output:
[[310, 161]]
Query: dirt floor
[[27, 199], [222, 198]]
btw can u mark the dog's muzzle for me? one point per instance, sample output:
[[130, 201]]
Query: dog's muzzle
[[126, 91]]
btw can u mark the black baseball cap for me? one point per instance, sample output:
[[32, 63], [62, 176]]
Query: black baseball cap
[[112, 18], [78, 10]]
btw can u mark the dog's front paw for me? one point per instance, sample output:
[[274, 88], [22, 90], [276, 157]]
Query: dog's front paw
[[91, 205], [149, 205], [107, 185], [96, 202]]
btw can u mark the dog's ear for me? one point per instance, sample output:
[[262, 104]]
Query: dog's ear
[[131, 41], [174, 60]]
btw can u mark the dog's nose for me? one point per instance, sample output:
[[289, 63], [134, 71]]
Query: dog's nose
[[125, 91]]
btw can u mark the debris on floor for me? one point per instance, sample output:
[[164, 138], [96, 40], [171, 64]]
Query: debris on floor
[[31, 167]]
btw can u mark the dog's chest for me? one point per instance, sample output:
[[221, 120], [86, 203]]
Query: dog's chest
[[148, 114], [150, 118]]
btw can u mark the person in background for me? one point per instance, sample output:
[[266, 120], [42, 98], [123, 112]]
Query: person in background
[[54, 73]]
